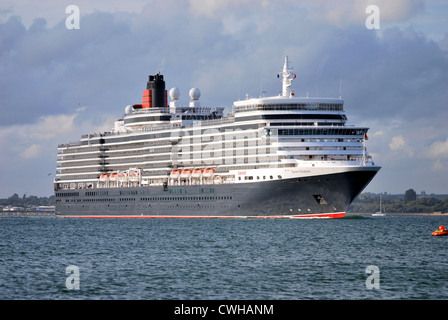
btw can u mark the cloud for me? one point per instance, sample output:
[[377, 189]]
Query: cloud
[[31, 152], [438, 149], [396, 143], [215, 8], [119, 50], [32, 140], [378, 134], [439, 166], [54, 11], [32, 149], [338, 13]]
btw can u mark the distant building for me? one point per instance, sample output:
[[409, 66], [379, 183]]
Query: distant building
[[12, 208], [46, 208]]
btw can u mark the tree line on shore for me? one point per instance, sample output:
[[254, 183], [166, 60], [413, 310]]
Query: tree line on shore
[[408, 202], [25, 201], [364, 203]]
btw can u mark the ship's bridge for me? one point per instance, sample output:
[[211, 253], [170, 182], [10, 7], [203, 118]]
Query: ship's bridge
[[281, 111], [288, 103]]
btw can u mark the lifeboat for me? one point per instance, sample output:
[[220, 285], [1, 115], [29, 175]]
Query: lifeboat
[[175, 174], [123, 175], [134, 174], [442, 231], [209, 172], [113, 176], [186, 173], [104, 176], [197, 173]]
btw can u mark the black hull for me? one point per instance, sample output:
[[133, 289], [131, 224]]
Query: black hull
[[317, 196]]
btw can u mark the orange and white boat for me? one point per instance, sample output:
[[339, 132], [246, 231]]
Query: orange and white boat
[[186, 173], [175, 174], [209, 172], [442, 231], [197, 173]]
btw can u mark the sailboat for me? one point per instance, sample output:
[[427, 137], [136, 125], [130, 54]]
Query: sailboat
[[379, 213]]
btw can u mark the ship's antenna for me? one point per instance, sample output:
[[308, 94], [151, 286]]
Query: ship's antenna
[[287, 78]]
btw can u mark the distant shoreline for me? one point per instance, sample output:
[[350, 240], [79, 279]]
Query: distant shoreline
[[50, 213], [399, 214], [27, 213]]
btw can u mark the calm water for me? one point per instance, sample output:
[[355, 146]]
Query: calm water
[[223, 258]]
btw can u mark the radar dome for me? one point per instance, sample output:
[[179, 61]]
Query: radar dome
[[195, 93], [128, 109], [174, 93]]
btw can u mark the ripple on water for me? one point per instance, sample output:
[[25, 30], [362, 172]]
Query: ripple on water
[[222, 259]]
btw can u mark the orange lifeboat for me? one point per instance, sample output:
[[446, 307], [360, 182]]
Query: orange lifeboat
[[113, 176], [442, 231], [104, 176], [209, 172], [186, 173], [175, 174], [197, 173]]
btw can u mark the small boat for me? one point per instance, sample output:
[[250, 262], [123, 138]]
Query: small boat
[[197, 173], [175, 174], [442, 231], [186, 173], [379, 213], [209, 172]]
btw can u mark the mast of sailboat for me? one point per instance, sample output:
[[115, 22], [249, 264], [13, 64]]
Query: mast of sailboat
[[381, 210]]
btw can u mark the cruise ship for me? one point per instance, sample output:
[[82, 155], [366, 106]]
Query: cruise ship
[[269, 157]]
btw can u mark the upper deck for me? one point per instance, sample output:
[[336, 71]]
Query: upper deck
[[289, 103]]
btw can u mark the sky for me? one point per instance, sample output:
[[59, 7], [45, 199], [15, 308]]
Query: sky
[[58, 82]]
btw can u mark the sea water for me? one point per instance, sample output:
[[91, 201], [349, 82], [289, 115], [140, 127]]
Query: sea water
[[357, 257]]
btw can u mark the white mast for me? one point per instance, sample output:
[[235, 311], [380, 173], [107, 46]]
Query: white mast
[[287, 77]]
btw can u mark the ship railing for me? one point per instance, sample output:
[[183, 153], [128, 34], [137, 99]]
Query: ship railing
[[220, 121], [144, 129], [70, 144], [332, 163], [290, 106], [150, 110], [197, 110]]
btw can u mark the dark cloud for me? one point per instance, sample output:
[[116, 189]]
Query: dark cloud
[[103, 65], [400, 74]]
